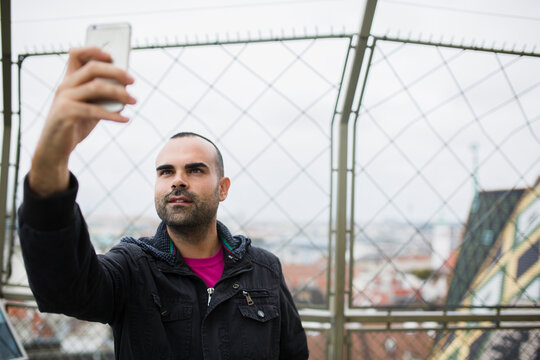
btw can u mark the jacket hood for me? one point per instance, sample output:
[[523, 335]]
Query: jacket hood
[[158, 245]]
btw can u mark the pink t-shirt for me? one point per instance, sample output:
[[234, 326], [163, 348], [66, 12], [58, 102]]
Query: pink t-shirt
[[209, 269]]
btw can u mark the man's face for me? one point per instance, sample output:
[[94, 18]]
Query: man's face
[[188, 188]]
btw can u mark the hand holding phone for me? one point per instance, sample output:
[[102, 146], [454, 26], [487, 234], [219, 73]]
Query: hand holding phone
[[71, 118], [114, 39]]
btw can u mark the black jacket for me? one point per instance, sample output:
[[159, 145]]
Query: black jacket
[[158, 308]]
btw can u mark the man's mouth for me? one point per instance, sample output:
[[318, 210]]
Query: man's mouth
[[179, 200]]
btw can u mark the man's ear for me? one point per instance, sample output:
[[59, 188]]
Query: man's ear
[[224, 185]]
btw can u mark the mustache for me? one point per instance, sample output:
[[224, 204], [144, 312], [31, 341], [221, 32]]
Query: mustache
[[180, 192]]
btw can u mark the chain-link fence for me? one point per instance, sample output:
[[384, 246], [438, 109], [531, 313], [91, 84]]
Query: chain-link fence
[[53, 336], [59, 337], [445, 197], [447, 157], [443, 189], [261, 101], [414, 344], [267, 104]]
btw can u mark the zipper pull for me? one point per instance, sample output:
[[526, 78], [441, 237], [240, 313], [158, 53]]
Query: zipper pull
[[210, 292], [248, 298]]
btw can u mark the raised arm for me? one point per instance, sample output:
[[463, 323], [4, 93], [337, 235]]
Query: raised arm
[[73, 115], [63, 270]]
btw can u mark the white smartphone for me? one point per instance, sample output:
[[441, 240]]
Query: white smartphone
[[116, 40]]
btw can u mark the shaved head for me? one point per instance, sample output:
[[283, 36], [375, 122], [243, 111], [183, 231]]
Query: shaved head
[[218, 158]]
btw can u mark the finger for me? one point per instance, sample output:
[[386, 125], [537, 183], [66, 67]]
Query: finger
[[80, 56], [100, 89], [87, 111], [97, 69]]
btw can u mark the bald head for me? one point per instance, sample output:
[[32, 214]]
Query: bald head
[[218, 158]]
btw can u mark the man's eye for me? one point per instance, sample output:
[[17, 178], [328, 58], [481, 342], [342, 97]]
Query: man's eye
[[165, 172], [196, 170]]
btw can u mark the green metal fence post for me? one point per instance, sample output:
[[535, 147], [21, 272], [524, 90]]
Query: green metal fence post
[[5, 10], [336, 348]]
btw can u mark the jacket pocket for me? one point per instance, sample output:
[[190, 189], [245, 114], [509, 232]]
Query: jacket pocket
[[257, 334], [176, 313], [177, 320], [261, 313]]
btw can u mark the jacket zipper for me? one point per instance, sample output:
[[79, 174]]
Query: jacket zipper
[[210, 292], [249, 300]]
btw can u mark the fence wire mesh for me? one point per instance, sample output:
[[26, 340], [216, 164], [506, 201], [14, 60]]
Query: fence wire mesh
[[54, 336], [267, 105], [470, 344], [59, 337], [447, 144], [444, 196]]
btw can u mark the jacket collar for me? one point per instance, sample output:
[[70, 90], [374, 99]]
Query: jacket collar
[[158, 245]]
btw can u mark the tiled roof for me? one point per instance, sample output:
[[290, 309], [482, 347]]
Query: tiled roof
[[488, 215]]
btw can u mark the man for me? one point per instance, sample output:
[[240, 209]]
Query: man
[[192, 291]]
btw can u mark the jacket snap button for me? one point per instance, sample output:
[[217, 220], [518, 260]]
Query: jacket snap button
[[235, 286], [260, 313], [164, 313]]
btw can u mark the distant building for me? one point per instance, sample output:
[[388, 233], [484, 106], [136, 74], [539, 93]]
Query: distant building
[[498, 264]]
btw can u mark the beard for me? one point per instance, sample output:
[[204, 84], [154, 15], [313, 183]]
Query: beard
[[191, 218]]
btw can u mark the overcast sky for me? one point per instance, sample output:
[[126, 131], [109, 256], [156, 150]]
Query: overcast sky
[[57, 25]]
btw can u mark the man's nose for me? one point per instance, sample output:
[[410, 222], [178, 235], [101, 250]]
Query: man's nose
[[179, 181]]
